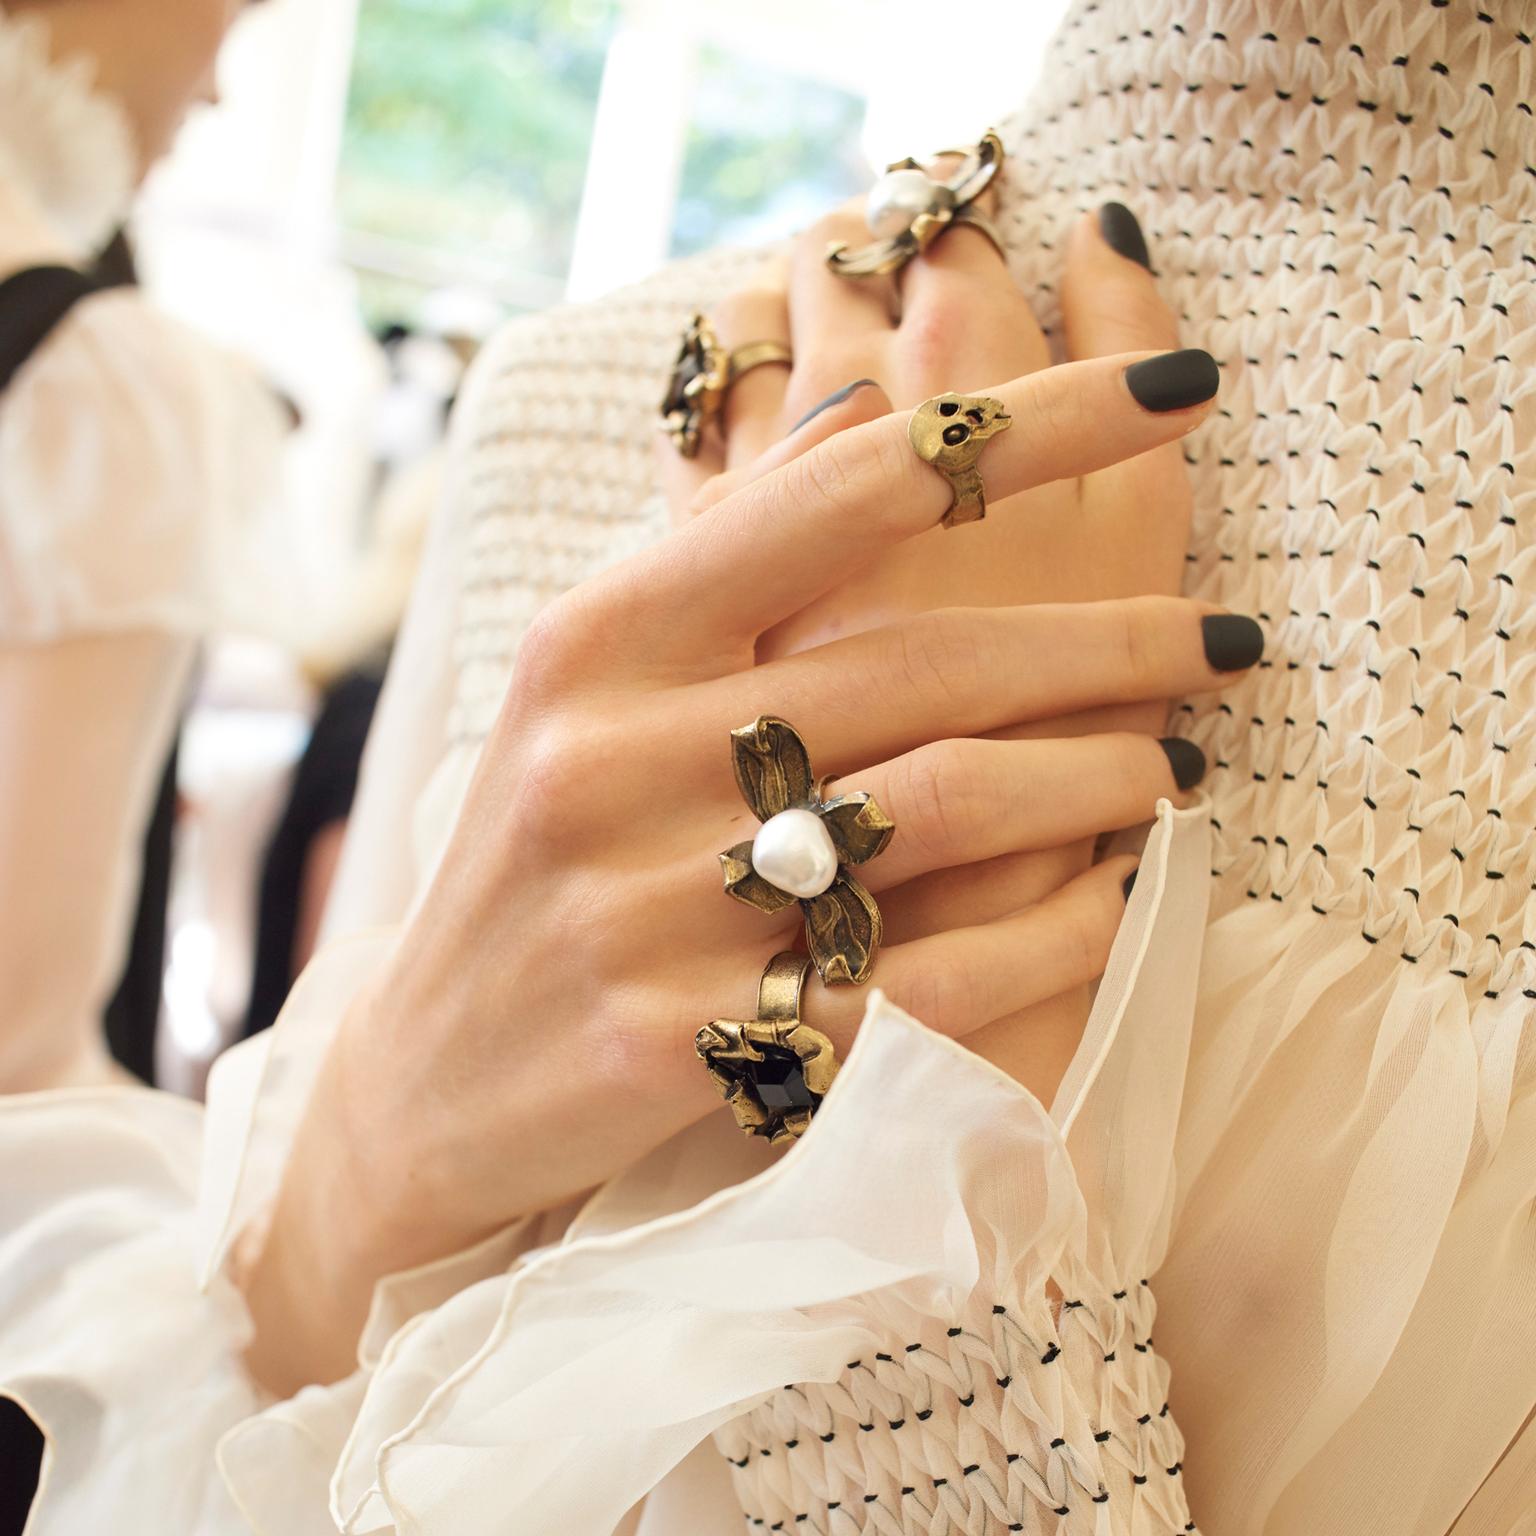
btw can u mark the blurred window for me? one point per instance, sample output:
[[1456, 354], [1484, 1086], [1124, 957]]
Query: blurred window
[[767, 152], [467, 132], [468, 153]]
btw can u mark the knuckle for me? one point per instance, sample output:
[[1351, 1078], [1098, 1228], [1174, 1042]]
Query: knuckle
[[931, 788], [742, 309], [1058, 414], [932, 332], [940, 992], [551, 649], [941, 661], [1086, 938], [844, 224], [836, 471], [549, 765], [1135, 647]]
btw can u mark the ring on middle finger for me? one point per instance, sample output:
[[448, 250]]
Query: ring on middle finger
[[804, 848], [701, 378], [908, 210]]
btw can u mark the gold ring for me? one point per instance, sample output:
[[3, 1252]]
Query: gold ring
[[804, 848], [949, 432], [909, 209], [773, 1071], [702, 377]]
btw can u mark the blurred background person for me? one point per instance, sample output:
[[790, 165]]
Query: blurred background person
[[135, 460]]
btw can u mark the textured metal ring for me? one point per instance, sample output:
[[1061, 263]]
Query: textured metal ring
[[908, 210], [773, 1071], [804, 849], [702, 377], [949, 432]]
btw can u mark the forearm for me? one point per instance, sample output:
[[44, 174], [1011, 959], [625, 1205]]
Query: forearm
[[84, 725]]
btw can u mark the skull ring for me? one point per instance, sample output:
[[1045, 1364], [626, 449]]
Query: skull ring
[[949, 432]]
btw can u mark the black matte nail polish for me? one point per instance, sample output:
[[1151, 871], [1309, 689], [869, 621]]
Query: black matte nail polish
[[1186, 760], [1233, 642], [835, 398], [1173, 380], [1123, 234], [1128, 884]]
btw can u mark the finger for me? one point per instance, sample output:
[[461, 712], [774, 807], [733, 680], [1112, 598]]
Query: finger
[[956, 982], [962, 672], [1109, 298], [963, 318], [683, 481], [1110, 304], [840, 325], [796, 533], [978, 893], [959, 802], [755, 401], [850, 406]]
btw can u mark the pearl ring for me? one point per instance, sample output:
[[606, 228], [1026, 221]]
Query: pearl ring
[[803, 850], [908, 210]]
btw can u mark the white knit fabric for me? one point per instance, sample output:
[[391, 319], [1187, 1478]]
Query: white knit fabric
[[1309, 1125], [1339, 202]]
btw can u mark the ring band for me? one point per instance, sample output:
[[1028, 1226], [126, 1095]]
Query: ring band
[[753, 354], [949, 432], [701, 378], [909, 209], [804, 849], [773, 1071]]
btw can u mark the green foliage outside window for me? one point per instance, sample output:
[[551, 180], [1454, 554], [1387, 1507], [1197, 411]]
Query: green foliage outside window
[[468, 125]]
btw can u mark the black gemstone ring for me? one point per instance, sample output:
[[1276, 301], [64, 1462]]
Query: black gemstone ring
[[773, 1071]]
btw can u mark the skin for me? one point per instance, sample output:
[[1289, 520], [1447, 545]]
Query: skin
[[533, 1034], [157, 57], [946, 322]]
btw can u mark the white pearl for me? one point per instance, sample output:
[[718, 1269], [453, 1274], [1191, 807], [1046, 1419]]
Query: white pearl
[[795, 852], [899, 196]]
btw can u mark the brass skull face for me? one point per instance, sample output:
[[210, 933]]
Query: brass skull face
[[949, 430]]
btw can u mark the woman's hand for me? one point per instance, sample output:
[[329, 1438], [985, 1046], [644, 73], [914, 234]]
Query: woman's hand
[[535, 1031], [948, 320]]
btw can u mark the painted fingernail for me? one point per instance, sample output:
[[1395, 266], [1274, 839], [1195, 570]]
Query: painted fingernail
[[835, 398], [1233, 642], [1173, 380], [1186, 760], [1128, 884], [1123, 234]]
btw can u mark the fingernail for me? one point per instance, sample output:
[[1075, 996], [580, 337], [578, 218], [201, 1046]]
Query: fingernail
[[1173, 380], [836, 398], [1233, 642], [1128, 884], [1123, 234], [1186, 760]]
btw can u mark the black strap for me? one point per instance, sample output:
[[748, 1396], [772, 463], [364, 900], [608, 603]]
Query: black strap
[[32, 303]]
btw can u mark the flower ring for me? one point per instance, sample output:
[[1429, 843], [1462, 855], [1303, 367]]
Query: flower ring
[[702, 377], [802, 850], [909, 209]]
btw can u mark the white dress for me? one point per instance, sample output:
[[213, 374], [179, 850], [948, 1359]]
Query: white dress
[[135, 461], [1298, 1143]]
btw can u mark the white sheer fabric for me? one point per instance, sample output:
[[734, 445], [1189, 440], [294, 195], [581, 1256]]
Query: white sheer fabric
[[1309, 1122]]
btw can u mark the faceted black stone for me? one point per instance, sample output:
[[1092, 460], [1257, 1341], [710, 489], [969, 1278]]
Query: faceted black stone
[[689, 366], [779, 1080]]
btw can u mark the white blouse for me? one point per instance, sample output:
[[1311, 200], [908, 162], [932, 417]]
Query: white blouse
[[1296, 1144]]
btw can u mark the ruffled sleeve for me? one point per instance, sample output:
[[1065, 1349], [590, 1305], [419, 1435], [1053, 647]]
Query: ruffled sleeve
[[136, 461], [950, 1277]]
